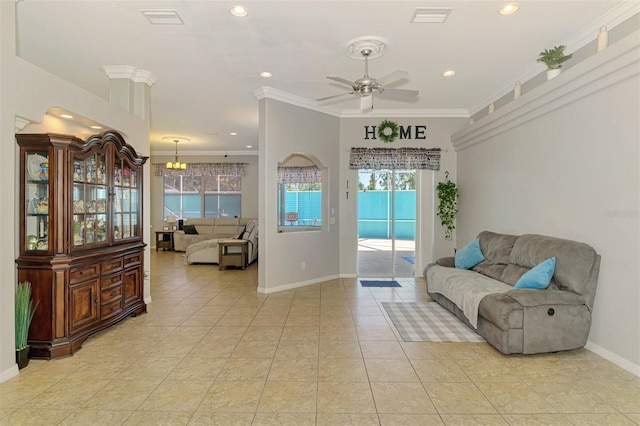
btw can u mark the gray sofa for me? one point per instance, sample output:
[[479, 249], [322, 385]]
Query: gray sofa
[[521, 320]]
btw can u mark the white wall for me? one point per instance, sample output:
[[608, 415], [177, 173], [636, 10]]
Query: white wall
[[249, 198], [286, 129], [8, 276], [28, 92], [429, 239], [563, 160]]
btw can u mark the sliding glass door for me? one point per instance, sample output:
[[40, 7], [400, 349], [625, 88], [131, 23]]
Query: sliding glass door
[[386, 222]]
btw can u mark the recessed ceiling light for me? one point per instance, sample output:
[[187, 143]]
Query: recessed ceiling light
[[265, 74], [96, 127], [66, 116], [239, 11], [449, 73], [233, 134], [509, 8], [249, 146]]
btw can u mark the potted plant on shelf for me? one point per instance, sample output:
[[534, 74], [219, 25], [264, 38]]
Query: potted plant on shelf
[[448, 207], [553, 59], [24, 309]]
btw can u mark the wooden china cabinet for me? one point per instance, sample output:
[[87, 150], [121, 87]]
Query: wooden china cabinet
[[81, 243]]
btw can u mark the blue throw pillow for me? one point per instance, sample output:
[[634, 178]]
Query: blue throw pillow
[[469, 256], [539, 276]]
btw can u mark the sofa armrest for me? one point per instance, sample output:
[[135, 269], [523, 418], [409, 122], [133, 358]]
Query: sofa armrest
[[545, 297], [448, 262]]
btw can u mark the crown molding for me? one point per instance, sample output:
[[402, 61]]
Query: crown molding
[[407, 113], [289, 98], [192, 153], [615, 16], [279, 95], [611, 66], [133, 74], [20, 123]]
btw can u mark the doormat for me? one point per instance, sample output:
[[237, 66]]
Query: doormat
[[428, 322], [374, 283], [410, 259]]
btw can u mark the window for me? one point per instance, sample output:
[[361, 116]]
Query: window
[[202, 196], [301, 203]]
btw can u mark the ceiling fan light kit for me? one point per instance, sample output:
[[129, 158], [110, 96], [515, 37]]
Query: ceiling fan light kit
[[366, 85]]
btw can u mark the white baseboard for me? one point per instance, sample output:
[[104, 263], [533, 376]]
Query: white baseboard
[[616, 359], [9, 373], [302, 283]]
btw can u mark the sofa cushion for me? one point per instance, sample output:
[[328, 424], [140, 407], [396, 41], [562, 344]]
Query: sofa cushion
[[248, 229], [204, 225], [574, 260], [496, 249], [227, 227], [539, 276], [469, 255], [190, 229]]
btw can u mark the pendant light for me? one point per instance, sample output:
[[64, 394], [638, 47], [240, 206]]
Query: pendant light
[[177, 165]]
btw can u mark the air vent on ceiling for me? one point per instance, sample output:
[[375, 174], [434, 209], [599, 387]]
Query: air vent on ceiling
[[431, 15], [162, 16]]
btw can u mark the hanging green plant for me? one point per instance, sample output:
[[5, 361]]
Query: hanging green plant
[[388, 131], [448, 207]]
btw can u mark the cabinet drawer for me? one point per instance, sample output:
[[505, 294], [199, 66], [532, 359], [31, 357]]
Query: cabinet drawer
[[108, 296], [110, 309], [83, 273], [110, 281], [133, 259], [111, 265]]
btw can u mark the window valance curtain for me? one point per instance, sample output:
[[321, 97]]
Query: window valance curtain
[[309, 174], [204, 169], [395, 158]]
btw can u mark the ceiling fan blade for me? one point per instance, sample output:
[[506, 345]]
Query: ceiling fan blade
[[394, 76], [335, 96], [342, 80], [399, 93]]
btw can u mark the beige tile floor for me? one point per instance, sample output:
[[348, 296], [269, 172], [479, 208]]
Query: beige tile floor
[[213, 351]]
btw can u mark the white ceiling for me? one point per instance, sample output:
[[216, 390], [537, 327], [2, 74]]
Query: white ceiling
[[208, 68]]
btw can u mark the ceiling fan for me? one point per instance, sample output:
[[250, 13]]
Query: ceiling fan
[[367, 86]]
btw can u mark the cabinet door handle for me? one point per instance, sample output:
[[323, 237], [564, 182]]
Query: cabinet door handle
[[96, 301]]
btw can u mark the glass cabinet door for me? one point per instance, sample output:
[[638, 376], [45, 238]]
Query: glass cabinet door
[[37, 201], [125, 204], [89, 200]]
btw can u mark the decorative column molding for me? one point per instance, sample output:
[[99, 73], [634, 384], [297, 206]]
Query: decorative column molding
[[130, 88], [20, 123], [133, 74]]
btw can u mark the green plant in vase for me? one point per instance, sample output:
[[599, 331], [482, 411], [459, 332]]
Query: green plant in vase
[[553, 59], [448, 207], [24, 311]]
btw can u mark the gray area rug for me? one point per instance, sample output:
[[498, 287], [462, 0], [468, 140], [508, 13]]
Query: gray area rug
[[428, 322]]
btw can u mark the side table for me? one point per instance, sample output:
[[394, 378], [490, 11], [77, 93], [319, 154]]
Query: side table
[[163, 243], [237, 256]]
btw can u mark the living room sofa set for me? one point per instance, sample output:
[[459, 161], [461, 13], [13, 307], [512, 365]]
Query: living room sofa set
[[200, 236], [488, 297]]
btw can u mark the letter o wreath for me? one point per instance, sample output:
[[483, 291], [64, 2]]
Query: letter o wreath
[[388, 131]]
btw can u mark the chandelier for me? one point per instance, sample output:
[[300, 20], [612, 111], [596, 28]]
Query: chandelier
[[176, 165]]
